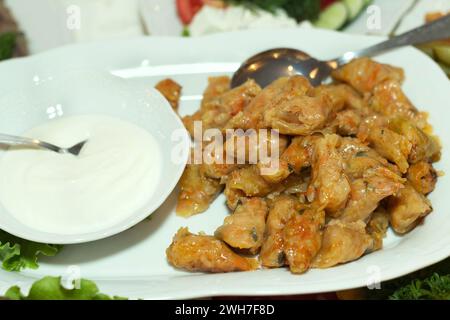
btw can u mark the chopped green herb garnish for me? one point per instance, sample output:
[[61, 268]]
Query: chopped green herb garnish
[[430, 283], [435, 287], [254, 234]]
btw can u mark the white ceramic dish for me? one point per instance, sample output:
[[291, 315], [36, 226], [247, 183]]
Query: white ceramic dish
[[133, 263], [77, 92]]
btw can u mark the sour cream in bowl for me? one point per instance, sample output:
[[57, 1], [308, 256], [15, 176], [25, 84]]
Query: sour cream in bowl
[[135, 153]]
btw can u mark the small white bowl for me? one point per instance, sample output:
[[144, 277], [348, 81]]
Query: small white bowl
[[80, 92]]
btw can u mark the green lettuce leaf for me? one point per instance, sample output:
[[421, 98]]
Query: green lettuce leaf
[[7, 45], [17, 254], [50, 288]]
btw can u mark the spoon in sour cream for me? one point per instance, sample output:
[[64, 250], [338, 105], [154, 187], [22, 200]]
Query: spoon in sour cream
[[23, 141]]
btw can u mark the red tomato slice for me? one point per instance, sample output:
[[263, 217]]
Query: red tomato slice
[[187, 9], [326, 3]]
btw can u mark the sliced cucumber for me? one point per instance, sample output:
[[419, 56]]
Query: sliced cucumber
[[333, 17], [354, 7], [443, 54]]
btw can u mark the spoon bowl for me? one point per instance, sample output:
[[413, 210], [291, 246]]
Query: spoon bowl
[[272, 64]]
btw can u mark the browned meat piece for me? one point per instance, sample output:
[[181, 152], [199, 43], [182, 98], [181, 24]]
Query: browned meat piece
[[189, 122], [296, 184], [262, 148], [253, 146], [356, 167], [370, 121], [359, 158], [391, 145], [205, 253], [218, 170], [368, 191], [351, 148], [423, 146], [301, 115], [299, 153], [231, 102], [216, 112], [422, 177], [302, 238], [245, 182], [329, 187], [407, 208], [364, 74], [218, 166], [278, 173], [389, 100], [347, 122], [216, 87], [342, 96], [233, 197], [171, 91], [197, 191], [282, 209], [377, 228], [244, 229], [342, 242], [281, 90], [297, 156], [373, 179]]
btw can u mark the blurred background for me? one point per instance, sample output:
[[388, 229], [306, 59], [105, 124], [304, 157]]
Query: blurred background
[[28, 27], [47, 24]]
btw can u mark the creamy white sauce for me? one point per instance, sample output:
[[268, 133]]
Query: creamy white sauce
[[114, 175]]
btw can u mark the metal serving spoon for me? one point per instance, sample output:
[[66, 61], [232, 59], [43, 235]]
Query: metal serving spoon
[[22, 141], [270, 65]]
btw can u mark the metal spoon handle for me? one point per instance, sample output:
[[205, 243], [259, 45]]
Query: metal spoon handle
[[22, 141], [437, 30]]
